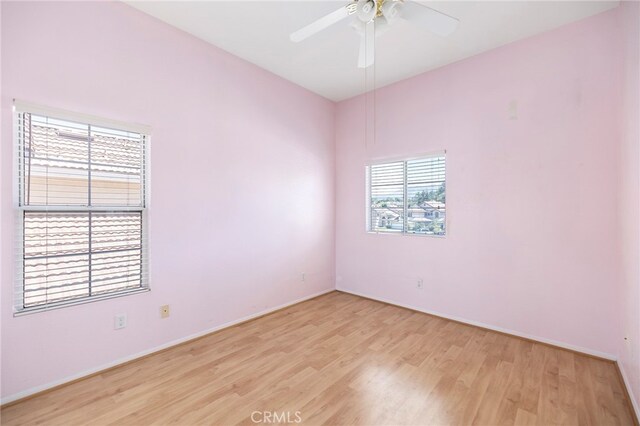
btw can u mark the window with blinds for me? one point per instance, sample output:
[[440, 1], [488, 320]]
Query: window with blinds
[[82, 211], [408, 197]]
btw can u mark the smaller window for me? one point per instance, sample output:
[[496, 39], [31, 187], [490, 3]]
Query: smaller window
[[408, 197]]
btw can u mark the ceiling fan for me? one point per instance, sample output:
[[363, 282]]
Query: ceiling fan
[[374, 17]]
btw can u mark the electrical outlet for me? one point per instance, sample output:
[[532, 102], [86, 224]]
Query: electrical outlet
[[120, 321], [420, 283], [304, 277], [164, 311]]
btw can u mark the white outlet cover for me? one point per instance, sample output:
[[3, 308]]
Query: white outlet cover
[[120, 321]]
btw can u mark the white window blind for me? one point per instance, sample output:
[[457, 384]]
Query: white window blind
[[408, 196], [387, 197], [82, 211]]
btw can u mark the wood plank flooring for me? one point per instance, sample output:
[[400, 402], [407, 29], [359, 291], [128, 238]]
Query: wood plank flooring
[[342, 359]]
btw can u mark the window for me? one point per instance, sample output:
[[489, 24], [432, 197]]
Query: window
[[81, 200], [411, 189]]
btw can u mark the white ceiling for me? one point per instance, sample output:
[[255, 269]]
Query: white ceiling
[[258, 31]]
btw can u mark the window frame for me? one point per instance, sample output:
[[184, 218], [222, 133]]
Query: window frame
[[368, 217], [20, 107]]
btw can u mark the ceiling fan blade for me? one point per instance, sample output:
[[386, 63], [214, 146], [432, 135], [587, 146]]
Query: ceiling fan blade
[[322, 23], [367, 46], [436, 22]]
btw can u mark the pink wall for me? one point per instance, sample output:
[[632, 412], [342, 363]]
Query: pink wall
[[532, 240], [242, 198], [629, 350]]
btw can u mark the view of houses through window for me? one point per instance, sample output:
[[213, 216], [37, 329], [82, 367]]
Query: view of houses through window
[[408, 196]]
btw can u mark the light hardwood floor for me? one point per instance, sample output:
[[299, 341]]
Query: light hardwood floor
[[342, 359]]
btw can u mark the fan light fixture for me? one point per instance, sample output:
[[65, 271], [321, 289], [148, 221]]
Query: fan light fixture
[[391, 10], [381, 13], [366, 10]]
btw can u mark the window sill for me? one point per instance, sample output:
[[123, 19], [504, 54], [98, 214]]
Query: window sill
[[408, 234], [59, 305]]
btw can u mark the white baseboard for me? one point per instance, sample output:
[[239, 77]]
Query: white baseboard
[[488, 326], [627, 384], [94, 370]]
